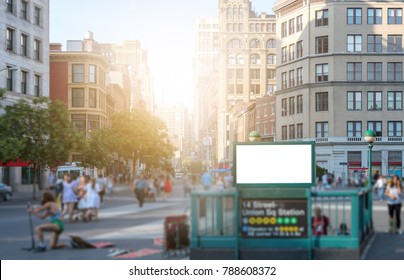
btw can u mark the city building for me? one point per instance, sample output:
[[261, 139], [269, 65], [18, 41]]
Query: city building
[[177, 120], [24, 62], [206, 66], [340, 74], [246, 65], [265, 117]]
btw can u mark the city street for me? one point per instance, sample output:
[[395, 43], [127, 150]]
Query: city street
[[140, 230], [122, 222]]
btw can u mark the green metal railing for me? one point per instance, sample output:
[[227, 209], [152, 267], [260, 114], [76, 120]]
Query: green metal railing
[[214, 219]]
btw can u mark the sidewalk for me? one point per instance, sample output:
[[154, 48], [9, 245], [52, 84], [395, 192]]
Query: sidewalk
[[385, 246]]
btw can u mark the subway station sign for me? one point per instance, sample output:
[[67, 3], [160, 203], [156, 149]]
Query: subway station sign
[[273, 218]]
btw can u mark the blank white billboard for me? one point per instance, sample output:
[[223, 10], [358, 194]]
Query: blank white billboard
[[274, 164]]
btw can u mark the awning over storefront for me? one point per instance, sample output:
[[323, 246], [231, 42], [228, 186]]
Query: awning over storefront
[[16, 163]]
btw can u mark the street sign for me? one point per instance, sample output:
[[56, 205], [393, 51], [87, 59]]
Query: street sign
[[273, 218], [343, 163]]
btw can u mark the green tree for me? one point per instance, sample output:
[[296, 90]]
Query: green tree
[[42, 133]]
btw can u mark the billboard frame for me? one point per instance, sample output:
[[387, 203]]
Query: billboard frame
[[284, 143]]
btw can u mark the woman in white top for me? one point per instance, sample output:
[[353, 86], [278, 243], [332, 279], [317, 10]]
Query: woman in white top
[[393, 193], [69, 196], [93, 199]]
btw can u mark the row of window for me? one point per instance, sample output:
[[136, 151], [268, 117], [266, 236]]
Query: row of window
[[26, 87], [235, 12], [268, 110], [253, 27], [289, 27], [374, 16], [79, 75], [233, 89], [354, 129], [353, 100], [269, 128], [236, 75], [24, 46], [295, 78], [255, 59], [82, 122], [254, 44], [79, 100], [292, 52], [25, 11]]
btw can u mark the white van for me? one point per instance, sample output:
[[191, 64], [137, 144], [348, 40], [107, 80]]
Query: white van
[[74, 167]]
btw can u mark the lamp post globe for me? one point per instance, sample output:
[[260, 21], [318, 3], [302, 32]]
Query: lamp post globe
[[370, 136], [254, 136]]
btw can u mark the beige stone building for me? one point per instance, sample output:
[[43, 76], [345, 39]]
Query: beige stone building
[[340, 73], [246, 65]]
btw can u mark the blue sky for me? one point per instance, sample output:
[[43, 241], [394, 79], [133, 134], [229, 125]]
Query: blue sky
[[165, 28]]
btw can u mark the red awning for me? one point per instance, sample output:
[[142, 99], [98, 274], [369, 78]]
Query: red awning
[[16, 163]]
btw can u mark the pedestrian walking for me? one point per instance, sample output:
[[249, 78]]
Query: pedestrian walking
[[103, 187], [49, 209], [320, 223], [186, 184], [380, 186], [206, 180], [168, 187], [140, 186], [92, 200], [393, 193], [69, 196], [110, 185]]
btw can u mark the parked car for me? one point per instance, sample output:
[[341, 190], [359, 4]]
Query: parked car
[[6, 191]]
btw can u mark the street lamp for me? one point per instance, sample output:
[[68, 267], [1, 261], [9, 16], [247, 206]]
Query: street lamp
[[370, 137], [254, 136]]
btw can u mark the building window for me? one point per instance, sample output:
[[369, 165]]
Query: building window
[[37, 85], [354, 16], [299, 49], [24, 9], [376, 126], [374, 100], [291, 52], [395, 16], [239, 74], [321, 129], [284, 54], [230, 59], [322, 44], [299, 24], [394, 43], [235, 44], [354, 43], [79, 122], [92, 98], [395, 71], [395, 129], [284, 29], [291, 26], [394, 100], [299, 104], [291, 78], [10, 4], [24, 76], [93, 122], [78, 73], [292, 131], [37, 49], [255, 89], [240, 59], [374, 16], [299, 127], [10, 79], [265, 110], [255, 44], [284, 104], [374, 71], [354, 101], [321, 72], [255, 74], [284, 132], [375, 43], [24, 45], [321, 101], [271, 44], [299, 76], [37, 16], [322, 18], [271, 89], [271, 74], [354, 129], [77, 97], [354, 71], [10, 39], [255, 58], [258, 111], [291, 105], [92, 74], [284, 81], [271, 59]]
